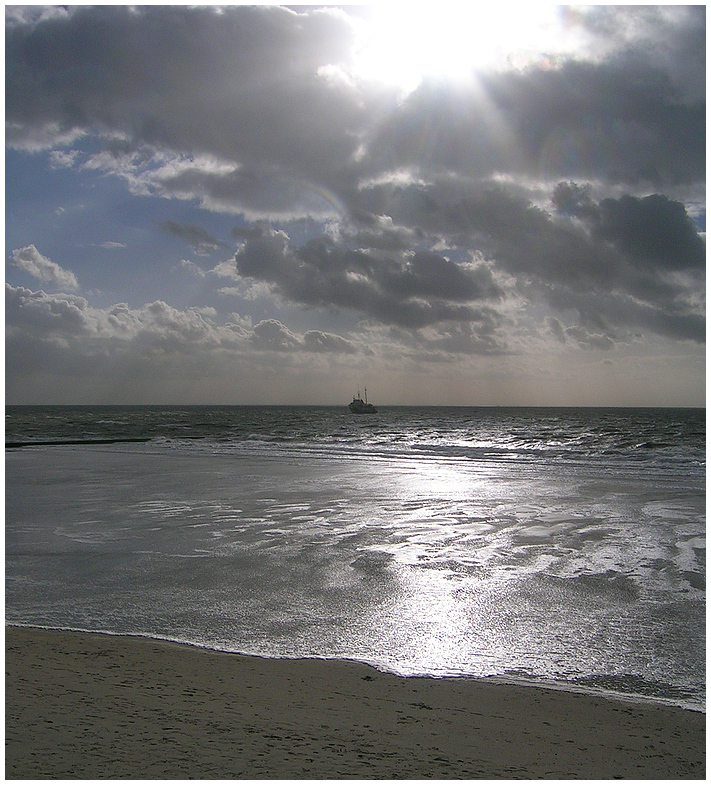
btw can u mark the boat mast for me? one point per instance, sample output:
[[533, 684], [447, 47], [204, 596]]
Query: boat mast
[[366, 394]]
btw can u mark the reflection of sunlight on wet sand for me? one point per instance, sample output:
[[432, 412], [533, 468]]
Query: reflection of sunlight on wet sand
[[438, 626], [428, 624], [443, 513], [482, 560], [444, 531], [452, 480]]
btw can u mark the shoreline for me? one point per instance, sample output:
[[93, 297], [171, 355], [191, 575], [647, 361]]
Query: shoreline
[[505, 681], [95, 705]]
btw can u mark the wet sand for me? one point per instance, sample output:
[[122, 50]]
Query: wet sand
[[97, 706]]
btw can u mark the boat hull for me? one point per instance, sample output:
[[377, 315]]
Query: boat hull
[[359, 407]]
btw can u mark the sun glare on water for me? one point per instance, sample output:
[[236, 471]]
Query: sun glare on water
[[402, 45]]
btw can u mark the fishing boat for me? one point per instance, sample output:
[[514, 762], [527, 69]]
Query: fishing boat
[[360, 406]]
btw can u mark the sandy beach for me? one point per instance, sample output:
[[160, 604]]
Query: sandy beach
[[97, 706]]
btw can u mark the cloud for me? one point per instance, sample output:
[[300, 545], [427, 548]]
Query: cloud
[[652, 231], [670, 38], [228, 126], [201, 241], [46, 316], [191, 268], [317, 341], [621, 120], [620, 263], [271, 335], [234, 87], [69, 323], [478, 336], [617, 121], [61, 158], [62, 319], [557, 203], [255, 193], [59, 342], [31, 261], [378, 232], [579, 335], [408, 289], [110, 245]]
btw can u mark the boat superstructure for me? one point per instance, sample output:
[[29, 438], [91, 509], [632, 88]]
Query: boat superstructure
[[360, 406]]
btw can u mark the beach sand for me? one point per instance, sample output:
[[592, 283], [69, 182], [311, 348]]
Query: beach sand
[[98, 706]]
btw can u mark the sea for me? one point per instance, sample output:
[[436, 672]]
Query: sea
[[563, 547]]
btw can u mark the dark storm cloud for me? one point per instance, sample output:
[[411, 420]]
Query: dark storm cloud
[[654, 234], [654, 230], [412, 290], [621, 121], [617, 249]]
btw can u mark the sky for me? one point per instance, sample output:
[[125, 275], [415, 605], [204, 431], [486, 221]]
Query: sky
[[446, 203]]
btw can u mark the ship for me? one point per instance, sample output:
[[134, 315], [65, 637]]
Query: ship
[[360, 406]]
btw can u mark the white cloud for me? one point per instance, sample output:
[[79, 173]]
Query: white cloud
[[272, 335], [31, 261], [65, 320], [191, 268], [63, 158], [110, 245]]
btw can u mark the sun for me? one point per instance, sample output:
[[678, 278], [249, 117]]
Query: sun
[[401, 45]]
